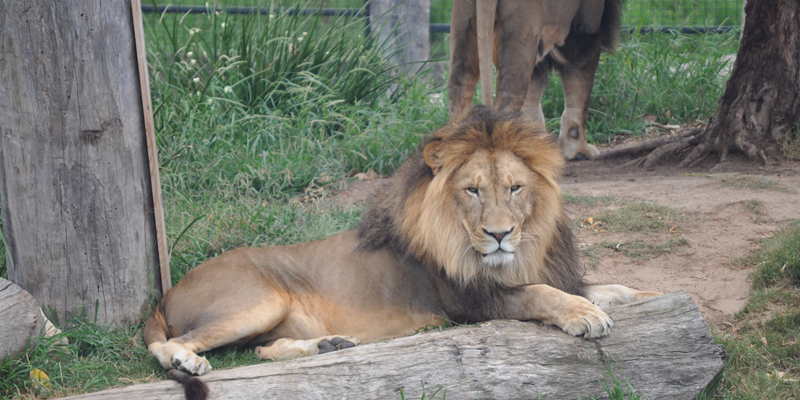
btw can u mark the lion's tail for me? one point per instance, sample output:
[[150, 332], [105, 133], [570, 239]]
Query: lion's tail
[[485, 32], [610, 23], [193, 387], [155, 333]]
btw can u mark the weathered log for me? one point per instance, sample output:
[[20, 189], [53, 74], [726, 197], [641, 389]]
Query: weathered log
[[662, 346], [20, 318]]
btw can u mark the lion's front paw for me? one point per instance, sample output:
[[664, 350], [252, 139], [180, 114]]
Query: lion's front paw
[[584, 318], [190, 363]]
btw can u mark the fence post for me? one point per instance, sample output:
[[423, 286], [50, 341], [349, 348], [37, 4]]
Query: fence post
[[74, 176], [404, 23]]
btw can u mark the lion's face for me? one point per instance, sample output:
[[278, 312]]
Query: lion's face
[[491, 208], [493, 196]]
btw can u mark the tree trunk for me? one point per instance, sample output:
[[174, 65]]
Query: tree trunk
[[662, 346], [761, 103], [75, 188], [403, 24]]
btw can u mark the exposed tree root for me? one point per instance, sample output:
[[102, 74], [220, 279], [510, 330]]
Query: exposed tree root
[[647, 145]]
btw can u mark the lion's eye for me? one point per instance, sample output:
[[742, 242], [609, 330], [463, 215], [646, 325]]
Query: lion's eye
[[472, 190], [515, 188]]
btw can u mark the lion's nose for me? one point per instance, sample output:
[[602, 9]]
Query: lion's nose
[[498, 235]]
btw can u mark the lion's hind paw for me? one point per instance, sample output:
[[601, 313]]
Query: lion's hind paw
[[190, 363], [336, 343]]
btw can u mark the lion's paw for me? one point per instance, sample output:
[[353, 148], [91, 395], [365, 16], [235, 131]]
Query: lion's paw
[[336, 343], [190, 363], [583, 318]]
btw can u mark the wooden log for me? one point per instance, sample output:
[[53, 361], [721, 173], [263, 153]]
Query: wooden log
[[662, 346], [21, 318], [75, 183]]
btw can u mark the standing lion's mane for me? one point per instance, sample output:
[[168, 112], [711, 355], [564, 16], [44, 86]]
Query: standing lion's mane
[[413, 212]]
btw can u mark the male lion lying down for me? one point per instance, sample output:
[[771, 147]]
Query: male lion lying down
[[471, 228]]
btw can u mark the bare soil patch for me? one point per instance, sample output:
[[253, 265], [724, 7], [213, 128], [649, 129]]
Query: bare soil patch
[[726, 213], [720, 218]]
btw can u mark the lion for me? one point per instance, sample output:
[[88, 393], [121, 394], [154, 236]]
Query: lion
[[470, 228], [525, 39]]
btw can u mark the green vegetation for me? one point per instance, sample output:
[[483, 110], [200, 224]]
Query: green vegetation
[[763, 340], [754, 182], [753, 206], [640, 250], [677, 78], [582, 200], [640, 217], [791, 143], [251, 110]]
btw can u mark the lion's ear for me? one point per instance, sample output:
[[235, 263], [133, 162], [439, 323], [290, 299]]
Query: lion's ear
[[432, 155]]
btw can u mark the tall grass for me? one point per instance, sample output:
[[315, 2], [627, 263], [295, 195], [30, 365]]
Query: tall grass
[[678, 78], [253, 109], [763, 339]]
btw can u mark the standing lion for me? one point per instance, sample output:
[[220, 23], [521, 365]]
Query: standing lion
[[471, 228], [525, 39]]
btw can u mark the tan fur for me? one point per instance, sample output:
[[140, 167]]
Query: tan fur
[[515, 36], [470, 228]]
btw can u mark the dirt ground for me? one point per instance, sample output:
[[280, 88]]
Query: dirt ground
[[717, 225], [718, 228]]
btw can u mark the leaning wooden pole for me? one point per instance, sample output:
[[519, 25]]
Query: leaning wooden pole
[[662, 346], [152, 151], [75, 183]]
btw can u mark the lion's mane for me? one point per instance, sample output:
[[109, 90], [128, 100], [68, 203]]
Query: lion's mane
[[415, 212]]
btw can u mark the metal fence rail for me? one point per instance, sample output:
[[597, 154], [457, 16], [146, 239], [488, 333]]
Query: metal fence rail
[[671, 16]]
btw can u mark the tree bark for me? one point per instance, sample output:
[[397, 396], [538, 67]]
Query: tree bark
[[761, 104], [662, 346], [20, 319], [75, 187]]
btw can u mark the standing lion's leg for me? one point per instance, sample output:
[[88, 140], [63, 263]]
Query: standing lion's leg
[[464, 71], [573, 314], [517, 46], [577, 79], [532, 108], [291, 348], [610, 295]]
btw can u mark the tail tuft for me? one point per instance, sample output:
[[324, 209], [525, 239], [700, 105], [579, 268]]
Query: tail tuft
[[194, 388]]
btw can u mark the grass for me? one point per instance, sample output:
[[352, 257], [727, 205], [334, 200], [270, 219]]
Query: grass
[[791, 144], [585, 200], [763, 339], [667, 76], [754, 183], [640, 250], [254, 112], [644, 217], [753, 206]]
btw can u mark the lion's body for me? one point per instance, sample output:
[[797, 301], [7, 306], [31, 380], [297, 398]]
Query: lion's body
[[524, 39], [471, 228]]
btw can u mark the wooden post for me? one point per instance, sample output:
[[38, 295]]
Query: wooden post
[[75, 182], [404, 23]]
